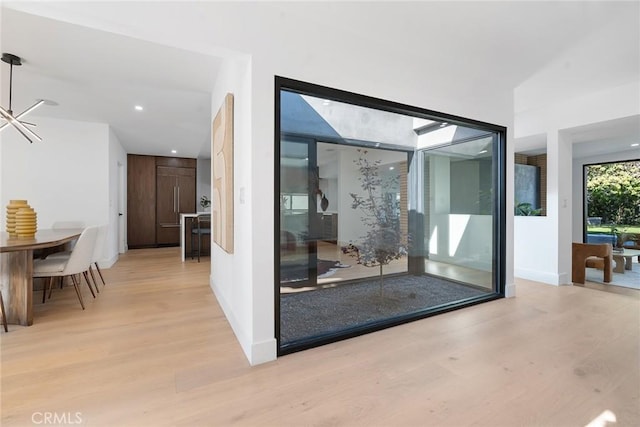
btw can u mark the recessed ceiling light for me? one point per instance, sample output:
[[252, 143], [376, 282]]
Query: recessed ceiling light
[[635, 144], [174, 151], [139, 108], [482, 152], [391, 168], [443, 124], [325, 102]]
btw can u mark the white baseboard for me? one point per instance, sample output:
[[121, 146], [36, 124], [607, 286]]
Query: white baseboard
[[564, 279], [235, 325], [543, 276], [510, 290], [256, 353], [108, 263], [264, 351]]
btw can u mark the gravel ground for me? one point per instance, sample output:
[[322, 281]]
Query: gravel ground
[[308, 314]]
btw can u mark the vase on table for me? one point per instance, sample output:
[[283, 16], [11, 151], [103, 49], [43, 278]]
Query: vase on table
[[12, 210], [21, 219], [26, 223]]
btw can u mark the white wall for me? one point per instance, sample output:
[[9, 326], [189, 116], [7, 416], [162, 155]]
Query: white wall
[[608, 58], [535, 241], [70, 176], [117, 201], [233, 276], [65, 177], [603, 105]]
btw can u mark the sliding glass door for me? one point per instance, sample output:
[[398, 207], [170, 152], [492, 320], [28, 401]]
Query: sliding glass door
[[298, 245]]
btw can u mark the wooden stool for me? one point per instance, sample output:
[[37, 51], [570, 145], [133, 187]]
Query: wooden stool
[[591, 255], [595, 262]]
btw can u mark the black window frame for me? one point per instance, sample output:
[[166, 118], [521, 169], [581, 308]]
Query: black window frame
[[499, 217]]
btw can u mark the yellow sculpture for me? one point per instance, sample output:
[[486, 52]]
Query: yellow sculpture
[[21, 219]]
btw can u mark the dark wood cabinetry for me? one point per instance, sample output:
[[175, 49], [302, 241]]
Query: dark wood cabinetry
[[159, 190], [141, 201], [175, 194]]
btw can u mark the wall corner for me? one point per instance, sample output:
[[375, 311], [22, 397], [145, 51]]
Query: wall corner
[[510, 290], [263, 352]]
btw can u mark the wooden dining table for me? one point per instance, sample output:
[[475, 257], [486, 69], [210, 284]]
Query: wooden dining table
[[16, 269]]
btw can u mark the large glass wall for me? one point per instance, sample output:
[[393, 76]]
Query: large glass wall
[[459, 206], [386, 214]]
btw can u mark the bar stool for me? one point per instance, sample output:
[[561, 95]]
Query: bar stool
[[203, 228]]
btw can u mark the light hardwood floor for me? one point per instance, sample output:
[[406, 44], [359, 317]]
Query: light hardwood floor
[[153, 349]]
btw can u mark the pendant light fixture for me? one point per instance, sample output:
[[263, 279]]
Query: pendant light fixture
[[7, 114]]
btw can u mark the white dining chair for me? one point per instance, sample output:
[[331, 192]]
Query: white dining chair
[[76, 263], [97, 254], [58, 225]]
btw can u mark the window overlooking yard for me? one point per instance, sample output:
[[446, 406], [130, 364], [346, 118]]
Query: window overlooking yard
[[612, 198]]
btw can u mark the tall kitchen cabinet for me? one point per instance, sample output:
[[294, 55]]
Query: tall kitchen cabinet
[[141, 201], [175, 194], [170, 186]]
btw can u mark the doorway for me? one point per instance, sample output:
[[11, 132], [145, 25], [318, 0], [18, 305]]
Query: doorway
[[612, 215], [122, 191]]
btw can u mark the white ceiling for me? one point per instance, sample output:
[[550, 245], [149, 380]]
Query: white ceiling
[[98, 76], [612, 136], [607, 137]]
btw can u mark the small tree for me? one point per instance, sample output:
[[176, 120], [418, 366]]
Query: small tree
[[613, 192], [383, 242]]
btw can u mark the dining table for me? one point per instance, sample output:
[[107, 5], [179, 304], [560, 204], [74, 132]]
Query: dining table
[[16, 269]]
